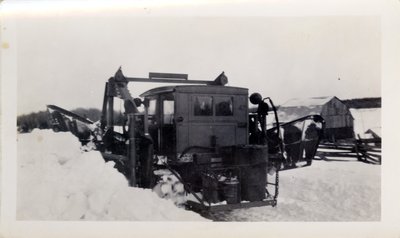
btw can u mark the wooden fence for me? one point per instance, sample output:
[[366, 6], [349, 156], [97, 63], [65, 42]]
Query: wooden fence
[[364, 150], [369, 150]]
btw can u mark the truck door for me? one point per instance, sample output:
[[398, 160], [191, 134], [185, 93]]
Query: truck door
[[167, 130], [153, 121]]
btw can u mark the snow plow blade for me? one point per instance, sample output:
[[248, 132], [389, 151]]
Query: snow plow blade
[[69, 114], [61, 119], [300, 139]]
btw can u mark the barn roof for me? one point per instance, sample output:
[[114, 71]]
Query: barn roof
[[286, 114], [300, 107], [307, 102]]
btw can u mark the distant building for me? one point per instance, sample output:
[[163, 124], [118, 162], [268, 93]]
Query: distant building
[[338, 118]]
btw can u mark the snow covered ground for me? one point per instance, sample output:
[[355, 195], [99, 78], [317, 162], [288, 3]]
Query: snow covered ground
[[325, 191], [56, 181]]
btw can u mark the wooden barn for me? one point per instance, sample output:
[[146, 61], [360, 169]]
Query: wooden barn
[[338, 118]]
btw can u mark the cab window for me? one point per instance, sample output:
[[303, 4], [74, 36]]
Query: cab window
[[151, 112], [223, 106], [152, 107], [168, 109], [203, 106]]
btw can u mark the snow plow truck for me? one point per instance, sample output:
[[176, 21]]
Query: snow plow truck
[[196, 142]]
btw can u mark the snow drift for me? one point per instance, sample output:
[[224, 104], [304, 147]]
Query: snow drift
[[56, 181]]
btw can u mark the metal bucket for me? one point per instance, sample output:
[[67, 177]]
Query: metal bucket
[[231, 192]]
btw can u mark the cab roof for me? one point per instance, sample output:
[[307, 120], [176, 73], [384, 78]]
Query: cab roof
[[202, 89]]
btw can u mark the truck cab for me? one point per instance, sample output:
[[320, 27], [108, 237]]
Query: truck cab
[[199, 137], [196, 118]]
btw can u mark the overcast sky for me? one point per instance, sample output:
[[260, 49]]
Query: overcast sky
[[67, 60]]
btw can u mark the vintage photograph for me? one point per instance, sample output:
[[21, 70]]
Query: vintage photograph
[[189, 119], [124, 118]]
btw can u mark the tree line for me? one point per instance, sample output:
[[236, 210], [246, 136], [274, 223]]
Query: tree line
[[40, 120], [363, 102]]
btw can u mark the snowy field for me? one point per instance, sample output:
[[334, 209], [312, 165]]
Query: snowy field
[[56, 181], [325, 191]]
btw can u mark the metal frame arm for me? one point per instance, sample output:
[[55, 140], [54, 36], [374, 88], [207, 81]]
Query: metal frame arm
[[170, 78]]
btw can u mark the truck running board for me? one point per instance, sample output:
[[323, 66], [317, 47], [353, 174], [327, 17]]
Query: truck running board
[[195, 206]]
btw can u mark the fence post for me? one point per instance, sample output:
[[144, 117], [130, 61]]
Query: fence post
[[356, 149]]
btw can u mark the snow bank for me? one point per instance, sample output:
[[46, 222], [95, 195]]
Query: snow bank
[[56, 181], [325, 191]]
